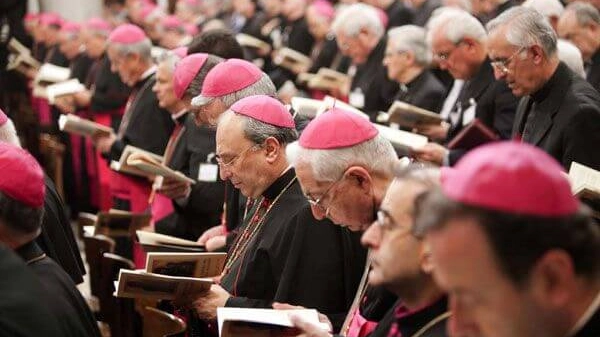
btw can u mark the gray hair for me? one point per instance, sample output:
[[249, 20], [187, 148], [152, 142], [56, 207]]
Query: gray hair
[[170, 59], [143, 48], [410, 38], [358, 16], [466, 5], [264, 86], [456, 24], [375, 155], [526, 28], [195, 86], [584, 12], [8, 134], [548, 8], [571, 56], [258, 132]]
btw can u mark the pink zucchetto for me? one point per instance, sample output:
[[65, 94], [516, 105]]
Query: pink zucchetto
[[511, 177], [22, 177], [127, 34], [98, 24], [185, 72], [265, 109], [324, 9], [337, 128]]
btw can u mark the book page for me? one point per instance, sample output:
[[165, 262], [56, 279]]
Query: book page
[[582, 177], [136, 284], [410, 116], [186, 264], [276, 318], [63, 88], [80, 126], [157, 238], [51, 73], [403, 139]]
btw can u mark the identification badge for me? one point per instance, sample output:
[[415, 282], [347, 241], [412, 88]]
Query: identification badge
[[357, 98], [208, 172]]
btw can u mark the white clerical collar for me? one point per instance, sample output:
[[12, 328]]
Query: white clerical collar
[[179, 114], [149, 72], [587, 315]]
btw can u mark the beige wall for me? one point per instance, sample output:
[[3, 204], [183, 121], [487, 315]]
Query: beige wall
[[75, 10]]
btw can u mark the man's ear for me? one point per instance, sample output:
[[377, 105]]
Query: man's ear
[[273, 149], [360, 177], [552, 279], [537, 54]]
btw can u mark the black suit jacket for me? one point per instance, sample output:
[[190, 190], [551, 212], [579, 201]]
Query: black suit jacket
[[371, 78], [424, 91], [593, 71], [423, 13], [205, 203], [398, 14], [496, 105], [567, 125]]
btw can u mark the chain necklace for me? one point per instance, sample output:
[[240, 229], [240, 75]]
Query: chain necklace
[[250, 231]]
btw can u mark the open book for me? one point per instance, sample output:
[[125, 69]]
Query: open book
[[155, 242], [49, 73], [306, 106], [121, 223], [585, 184], [402, 139], [186, 264], [83, 127], [330, 102], [409, 116], [249, 41], [153, 167], [328, 79], [473, 135], [123, 167], [139, 284], [70, 87], [291, 59], [262, 322]]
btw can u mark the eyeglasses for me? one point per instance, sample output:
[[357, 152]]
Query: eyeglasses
[[444, 56], [317, 202], [502, 65], [232, 161], [395, 52]]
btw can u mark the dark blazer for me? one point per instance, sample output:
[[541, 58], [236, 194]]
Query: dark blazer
[[330, 57], [205, 203], [424, 91], [398, 14], [593, 71], [567, 125], [423, 13], [371, 78], [496, 105]]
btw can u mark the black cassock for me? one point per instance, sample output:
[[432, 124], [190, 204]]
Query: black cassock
[[296, 259], [149, 126], [432, 319], [57, 239], [21, 314], [63, 299]]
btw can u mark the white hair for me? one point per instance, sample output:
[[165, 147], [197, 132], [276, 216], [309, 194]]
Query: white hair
[[571, 56], [8, 134], [264, 86], [143, 48], [376, 155], [526, 28], [410, 38], [358, 16], [456, 25], [584, 12], [169, 59], [548, 8]]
